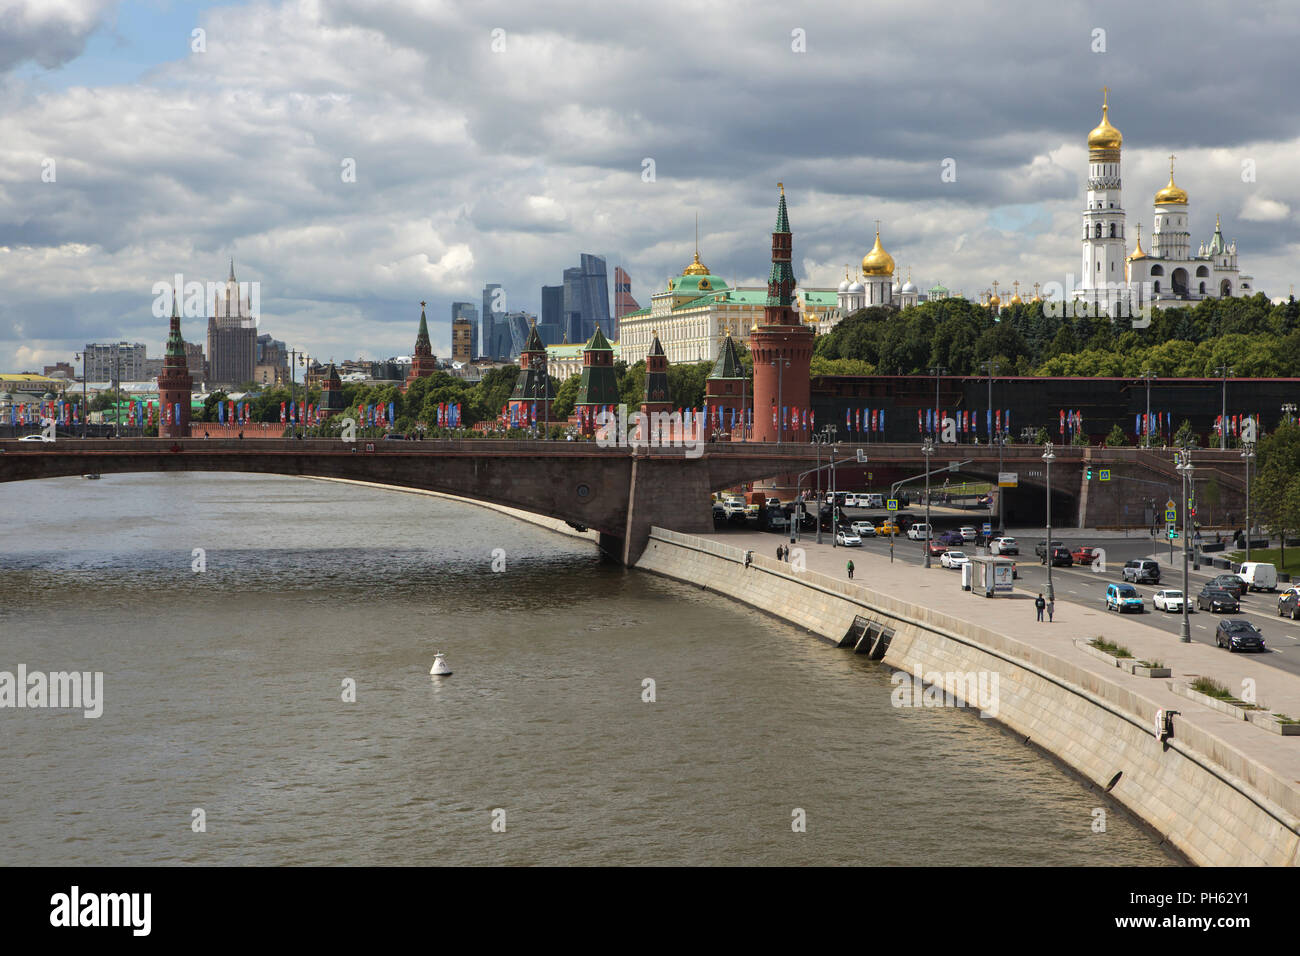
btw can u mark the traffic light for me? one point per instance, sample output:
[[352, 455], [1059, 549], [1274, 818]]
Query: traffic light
[[1089, 474], [1192, 512]]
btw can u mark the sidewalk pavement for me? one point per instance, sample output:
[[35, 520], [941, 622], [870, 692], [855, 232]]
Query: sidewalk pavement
[[1014, 616]]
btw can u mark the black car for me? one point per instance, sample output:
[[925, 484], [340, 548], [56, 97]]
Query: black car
[[1229, 582], [1061, 558], [1040, 549], [1239, 635], [1217, 599], [1288, 605]]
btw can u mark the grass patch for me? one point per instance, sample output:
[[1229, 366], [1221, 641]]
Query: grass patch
[[1154, 664], [1211, 688], [1271, 556], [1284, 719], [1114, 650]]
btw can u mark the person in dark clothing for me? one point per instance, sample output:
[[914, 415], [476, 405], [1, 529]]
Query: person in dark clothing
[[1039, 604], [850, 566], [780, 553]]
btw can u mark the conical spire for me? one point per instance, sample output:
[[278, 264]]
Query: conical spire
[[175, 344], [782, 220], [656, 347], [422, 344], [232, 269], [728, 364], [598, 342], [534, 343]]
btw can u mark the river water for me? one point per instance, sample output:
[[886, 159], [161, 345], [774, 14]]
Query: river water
[[223, 693]]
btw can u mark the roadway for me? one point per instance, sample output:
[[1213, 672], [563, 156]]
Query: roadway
[[1086, 586]]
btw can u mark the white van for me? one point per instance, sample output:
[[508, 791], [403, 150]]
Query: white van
[[1258, 575], [873, 501]]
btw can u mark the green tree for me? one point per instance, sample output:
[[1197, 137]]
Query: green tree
[[1185, 435], [1276, 489], [565, 397], [1116, 438]]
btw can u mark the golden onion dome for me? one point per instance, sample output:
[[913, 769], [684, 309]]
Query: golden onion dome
[[696, 268], [994, 301], [878, 262], [1171, 193], [1138, 253], [1105, 136], [1016, 300]]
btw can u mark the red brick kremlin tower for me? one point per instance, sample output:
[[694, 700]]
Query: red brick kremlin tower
[[423, 364], [724, 391], [781, 345], [175, 386]]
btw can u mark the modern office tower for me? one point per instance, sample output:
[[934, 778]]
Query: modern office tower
[[494, 306], [469, 311], [623, 301], [551, 327], [586, 299], [462, 340]]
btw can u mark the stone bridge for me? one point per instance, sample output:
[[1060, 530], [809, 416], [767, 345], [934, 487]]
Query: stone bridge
[[621, 492]]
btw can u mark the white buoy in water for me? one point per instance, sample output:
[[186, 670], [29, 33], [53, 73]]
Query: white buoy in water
[[440, 668]]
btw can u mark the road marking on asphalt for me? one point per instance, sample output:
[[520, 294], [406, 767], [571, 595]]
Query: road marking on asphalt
[[1202, 627]]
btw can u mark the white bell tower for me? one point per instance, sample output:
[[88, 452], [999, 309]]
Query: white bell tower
[[1102, 280]]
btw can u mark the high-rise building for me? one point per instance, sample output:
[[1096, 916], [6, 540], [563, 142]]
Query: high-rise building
[[468, 311], [494, 306], [586, 299], [175, 386], [195, 363], [232, 338], [623, 301], [120, 362], [519, 325], [462, 336], [551, 327]]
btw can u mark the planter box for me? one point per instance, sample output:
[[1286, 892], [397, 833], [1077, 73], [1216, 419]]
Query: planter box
[[1143, 670], [1120, 662], [1222, 706], [1271, 723]]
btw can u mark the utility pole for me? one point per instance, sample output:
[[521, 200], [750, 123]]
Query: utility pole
[[927, 449], [936, 372], [1225, 371], [780, 365], [1048, 457], [1000, 438], [1185, 469], [1248, 455]]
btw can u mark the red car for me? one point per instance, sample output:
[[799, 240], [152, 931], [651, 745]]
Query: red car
[[1084, 555], [937, 548]]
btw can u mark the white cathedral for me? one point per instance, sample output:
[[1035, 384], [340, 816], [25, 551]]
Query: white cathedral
[[1167, 276], [878, 284]]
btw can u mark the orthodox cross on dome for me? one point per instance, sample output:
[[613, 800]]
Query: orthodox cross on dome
[[1105, 98], [1171, 166]]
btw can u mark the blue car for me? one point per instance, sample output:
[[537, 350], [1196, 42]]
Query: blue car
[[1124, 597]]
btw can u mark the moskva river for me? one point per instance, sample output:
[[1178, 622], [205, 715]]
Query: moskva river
[[267, 699]]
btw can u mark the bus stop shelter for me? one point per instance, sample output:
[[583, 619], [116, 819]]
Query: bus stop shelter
[[992, 575]]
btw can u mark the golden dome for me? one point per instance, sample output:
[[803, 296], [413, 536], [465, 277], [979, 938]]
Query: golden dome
[[878, 262], [1138, 253], [994, 301], [696, 268], [1105, 136], [1171, 193]]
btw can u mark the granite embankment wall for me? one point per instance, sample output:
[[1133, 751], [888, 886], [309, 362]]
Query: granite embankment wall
[[1214, 803], [550, 524]]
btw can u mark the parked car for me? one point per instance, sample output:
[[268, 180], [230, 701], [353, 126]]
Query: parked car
[[847, 539], [953, 559], [1141, 571], [1288, 605], [873, 501], [967, 532], [1004, 546], [1217, 599], [1238, 634], [1169, 600], [1061, 558], [1124, 597], [1229, 582], [1084, 555], [917, 532], [863, 529], [1258, 575], [1040, 549], [952, 537]]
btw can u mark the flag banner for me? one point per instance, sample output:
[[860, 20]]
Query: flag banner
[[1062, 429], [848, 418], [919, 425], [882, 419]]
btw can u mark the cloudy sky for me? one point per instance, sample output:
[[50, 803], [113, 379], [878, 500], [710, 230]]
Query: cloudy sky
[[494, 142]]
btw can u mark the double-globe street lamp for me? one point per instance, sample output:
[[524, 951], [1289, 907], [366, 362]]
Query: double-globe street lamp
[[1183, 464], [1248, 455], [927, 449], [1049, 456]]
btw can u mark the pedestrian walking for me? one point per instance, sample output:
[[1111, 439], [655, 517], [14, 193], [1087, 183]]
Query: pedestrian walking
[[749, 556], [1051, 607], [1039, 604], [850, 569], [780, 553]]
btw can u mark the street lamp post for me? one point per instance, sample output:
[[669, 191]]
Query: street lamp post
[[1225, 371], [1248, 455], [927, 449], [1288, 410], [1000, 438], [1147, 376], [1185, 469], [85, 409], [1049, 456]]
